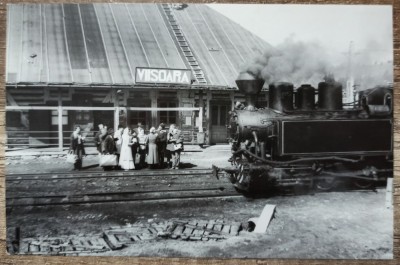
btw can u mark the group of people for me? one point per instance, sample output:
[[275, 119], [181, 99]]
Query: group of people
[[152, 148], [127, 144]]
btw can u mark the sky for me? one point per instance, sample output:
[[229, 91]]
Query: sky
[[332, 26]]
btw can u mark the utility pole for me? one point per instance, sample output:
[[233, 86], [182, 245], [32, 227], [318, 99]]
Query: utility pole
[[349, 91]]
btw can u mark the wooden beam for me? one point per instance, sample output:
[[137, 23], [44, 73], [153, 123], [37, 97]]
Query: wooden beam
[[99, 108], [201, 119], [265, 218], [201, 107], [116, 109], [60, 126], [389, 193], [208, 125], [153, 97], [10, 99], [30, 108]]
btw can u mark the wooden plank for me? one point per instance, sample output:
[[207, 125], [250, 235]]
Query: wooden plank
[[226, 229], [218, 225], [389, 193], [235, 228], [265, 218], [147, 236], [190, 228], [123, 238], [152, 230], [23, 247], [202, 225], [112, 241], [77, 244], [45, 247], [33, 247], [178, 231], [210, 226]]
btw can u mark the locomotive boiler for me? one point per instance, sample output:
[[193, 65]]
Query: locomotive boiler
[[309, 137]]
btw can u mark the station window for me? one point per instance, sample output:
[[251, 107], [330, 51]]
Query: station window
[[54, 117], [138, 116], [168, 117]]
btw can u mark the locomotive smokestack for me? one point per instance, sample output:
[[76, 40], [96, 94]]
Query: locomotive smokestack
[[250, 87]]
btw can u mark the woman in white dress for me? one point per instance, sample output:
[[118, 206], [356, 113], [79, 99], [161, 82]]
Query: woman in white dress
[[126, 159]]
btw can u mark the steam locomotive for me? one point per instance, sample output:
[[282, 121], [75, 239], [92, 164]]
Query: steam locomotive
[[309, 137]]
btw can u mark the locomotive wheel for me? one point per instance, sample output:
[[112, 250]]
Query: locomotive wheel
[[325, 184], [363, 183]]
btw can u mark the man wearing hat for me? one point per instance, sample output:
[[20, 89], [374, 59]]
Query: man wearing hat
[[162, 143]]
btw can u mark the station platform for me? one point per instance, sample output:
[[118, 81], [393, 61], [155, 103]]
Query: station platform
[[50, 160], [48, 151]]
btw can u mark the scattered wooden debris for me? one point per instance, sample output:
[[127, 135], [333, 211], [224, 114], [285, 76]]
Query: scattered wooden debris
[[118, 237], [264, 219], [63, 245]]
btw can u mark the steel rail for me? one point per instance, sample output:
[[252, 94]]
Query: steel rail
[[133, 173], [80, 177], [122, 197]]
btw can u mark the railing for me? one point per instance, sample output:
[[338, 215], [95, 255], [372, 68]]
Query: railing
[[60, 137], [30, 139]]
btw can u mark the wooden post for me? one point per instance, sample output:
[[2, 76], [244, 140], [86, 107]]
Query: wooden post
[[389, 193], [208, 125], [116, 110], [60, 123], [154, 97], [180, 113], [201, 106], [116, 118], [201, 119], [232, 97]]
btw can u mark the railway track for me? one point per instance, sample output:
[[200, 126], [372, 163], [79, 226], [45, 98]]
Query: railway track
[[52, 189], [104, 174]]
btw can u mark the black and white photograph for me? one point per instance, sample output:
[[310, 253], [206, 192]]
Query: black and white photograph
[[256, 131]]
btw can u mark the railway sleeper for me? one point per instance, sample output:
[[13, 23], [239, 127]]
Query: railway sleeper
[[119, 237]]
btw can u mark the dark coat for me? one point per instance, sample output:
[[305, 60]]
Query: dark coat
[[109, 146], [75, 146], [162, 140], [97, 141], [162, 136]]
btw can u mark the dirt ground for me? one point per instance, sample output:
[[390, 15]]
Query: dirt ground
[[332, 225], [40, 162]]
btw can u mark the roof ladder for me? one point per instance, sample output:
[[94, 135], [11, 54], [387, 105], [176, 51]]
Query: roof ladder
[[184, 45]]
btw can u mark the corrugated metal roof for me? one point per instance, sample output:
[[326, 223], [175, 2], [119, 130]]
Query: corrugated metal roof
[[103, 43]]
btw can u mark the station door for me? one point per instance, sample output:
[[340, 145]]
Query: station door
[[218, 117]]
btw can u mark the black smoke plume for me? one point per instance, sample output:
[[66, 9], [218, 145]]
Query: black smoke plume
[[292, 61]]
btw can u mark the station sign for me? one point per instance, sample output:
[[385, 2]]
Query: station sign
[[163, 75]]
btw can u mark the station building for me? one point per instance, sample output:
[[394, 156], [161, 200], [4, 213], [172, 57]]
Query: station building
[[85, 64]]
